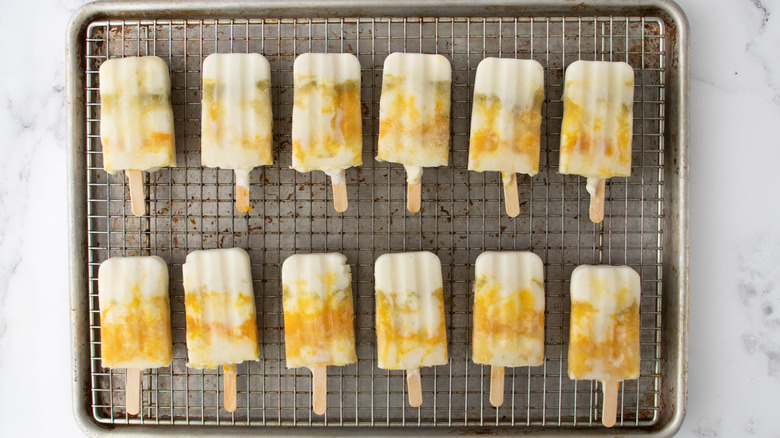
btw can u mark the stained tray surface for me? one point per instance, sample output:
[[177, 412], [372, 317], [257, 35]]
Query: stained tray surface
[[191, 208]]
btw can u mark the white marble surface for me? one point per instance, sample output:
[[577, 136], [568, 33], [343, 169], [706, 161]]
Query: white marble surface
[[734, 361]]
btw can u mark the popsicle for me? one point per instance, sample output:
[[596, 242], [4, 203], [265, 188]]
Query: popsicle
[[410, 326], [326, 124], [508, 314], [136, 120], [597, 125], [506, 121], [236, 120], [604, 340], [318, 317], [220, 313], [135, 319], [414, 116]]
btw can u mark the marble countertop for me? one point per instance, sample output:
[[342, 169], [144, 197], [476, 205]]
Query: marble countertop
[[734, 355]]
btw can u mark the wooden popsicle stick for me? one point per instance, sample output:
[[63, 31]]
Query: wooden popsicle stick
[[229, 382], [415, 387], [137, 197], [414, 196], [511, 200], [609, 410], [496, 385], [319, 390], [242, 199], [339, 184], [597, 202], [133, 391]]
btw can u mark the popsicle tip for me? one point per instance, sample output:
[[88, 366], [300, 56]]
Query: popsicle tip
[[319, 389], [415, 387], [596, 188], [609, 411], [496, 385], [242, 199], [137, 197], [414, 196], [340, 207], [511, 198], [229, 383], [133, 391], [340, 201]]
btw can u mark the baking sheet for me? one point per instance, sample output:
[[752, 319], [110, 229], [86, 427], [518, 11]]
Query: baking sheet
[[462, 215]]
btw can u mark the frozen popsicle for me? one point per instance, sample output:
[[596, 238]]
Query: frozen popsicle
[[136, 120], [414, 116], [410, 325], [604, 340], [326, 125], [506, 121], [135, 319], [220, 305], [318, 317], [597, 125], [236, 120], [508, 314]]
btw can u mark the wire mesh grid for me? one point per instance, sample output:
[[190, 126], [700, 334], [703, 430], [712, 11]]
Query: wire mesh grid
[[191, 207]]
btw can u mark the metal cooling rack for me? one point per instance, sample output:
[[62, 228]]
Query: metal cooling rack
[[191, 207]]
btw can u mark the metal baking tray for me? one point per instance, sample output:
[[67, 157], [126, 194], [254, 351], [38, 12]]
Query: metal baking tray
[[191, 207]]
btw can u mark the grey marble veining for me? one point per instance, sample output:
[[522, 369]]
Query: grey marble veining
[[759, 293]]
